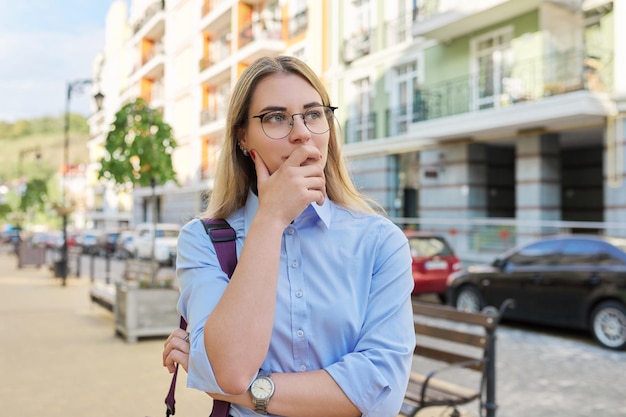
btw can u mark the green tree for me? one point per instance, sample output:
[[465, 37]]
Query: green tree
[[138, 148], [35, 196], [138, 151], [5, 209]]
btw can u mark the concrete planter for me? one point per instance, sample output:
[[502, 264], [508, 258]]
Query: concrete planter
[[144, 312]]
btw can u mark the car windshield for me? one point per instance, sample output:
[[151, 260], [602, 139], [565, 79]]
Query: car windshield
[[429, 246]]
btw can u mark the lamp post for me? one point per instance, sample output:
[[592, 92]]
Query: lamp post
[[65, 210]]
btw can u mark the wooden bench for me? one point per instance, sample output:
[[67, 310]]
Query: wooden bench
[[450, 343]]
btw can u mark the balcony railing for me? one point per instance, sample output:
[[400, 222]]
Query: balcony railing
[[399, 119], [361, 128], [151, 10], [262, 30], [398, 31], [358, 45], [529, 80], [298, 23], [210, 115]]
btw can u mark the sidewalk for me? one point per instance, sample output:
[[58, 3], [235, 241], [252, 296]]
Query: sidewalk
[[61, 358]]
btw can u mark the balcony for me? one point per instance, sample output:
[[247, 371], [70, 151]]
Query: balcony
[[361, 128], [399, 119], [398, 31], [549, 94], [358, 45], [152, 24], [260, 39], [527, 81], [150, 65], [445, 20], [216, 16]]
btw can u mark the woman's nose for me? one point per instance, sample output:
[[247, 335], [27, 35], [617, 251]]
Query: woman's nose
[[299, 131]]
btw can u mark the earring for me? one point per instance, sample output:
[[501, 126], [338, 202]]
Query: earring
[[243, 150]]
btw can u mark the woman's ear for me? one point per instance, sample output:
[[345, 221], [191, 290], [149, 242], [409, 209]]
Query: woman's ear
[[241, 138]]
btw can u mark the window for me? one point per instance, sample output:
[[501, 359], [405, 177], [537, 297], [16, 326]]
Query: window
[[580, 252], [537, 254], [492, 63], [298, 19], [361, 122], [406, 107]]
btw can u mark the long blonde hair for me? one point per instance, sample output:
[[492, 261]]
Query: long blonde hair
[[235, 171]]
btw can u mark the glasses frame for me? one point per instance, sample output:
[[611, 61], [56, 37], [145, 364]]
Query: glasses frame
[[292, 123]]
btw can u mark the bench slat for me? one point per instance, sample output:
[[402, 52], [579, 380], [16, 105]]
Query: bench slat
[[449, 313], [448, 357], [452, 335]]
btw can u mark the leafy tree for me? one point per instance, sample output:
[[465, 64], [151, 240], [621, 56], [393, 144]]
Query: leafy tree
[[138, 151], [35, 195], [138, 148], [5, 209]]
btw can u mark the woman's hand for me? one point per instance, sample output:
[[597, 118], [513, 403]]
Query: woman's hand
[[176, 350], [298, 182]]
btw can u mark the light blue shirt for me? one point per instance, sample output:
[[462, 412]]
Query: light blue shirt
[[343, 302]]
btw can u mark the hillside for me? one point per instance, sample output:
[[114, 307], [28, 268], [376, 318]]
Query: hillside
[[48, 143]]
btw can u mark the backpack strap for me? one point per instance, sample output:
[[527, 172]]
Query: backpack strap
[[224, 239]]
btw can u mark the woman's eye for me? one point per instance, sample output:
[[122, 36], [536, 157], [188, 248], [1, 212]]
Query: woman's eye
[[275, 118], [313, 115]]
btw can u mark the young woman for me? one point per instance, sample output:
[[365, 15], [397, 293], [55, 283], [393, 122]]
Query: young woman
[[316, 319]]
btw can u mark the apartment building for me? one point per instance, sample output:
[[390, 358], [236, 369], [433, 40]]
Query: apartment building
[[509, 110], [452, 111], [183, 57]]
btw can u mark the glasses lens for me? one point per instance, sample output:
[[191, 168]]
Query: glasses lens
[[276, 124], [317, 119]]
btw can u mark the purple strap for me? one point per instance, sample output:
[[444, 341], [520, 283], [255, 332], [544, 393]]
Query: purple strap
[[223, 238]]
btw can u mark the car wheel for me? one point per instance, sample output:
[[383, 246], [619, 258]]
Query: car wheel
[[469, 299], [608, 325]]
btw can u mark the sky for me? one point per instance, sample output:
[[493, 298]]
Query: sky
[[43, 45]]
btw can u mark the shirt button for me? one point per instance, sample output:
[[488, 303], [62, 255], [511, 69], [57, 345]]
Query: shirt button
[[291, 231], [294, 264], [298, 294], [300, 333], [303, 368]]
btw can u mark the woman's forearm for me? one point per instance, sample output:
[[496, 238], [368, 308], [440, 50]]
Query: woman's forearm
[[303, 394]]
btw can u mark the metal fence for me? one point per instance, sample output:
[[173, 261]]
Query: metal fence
[[483, 239]]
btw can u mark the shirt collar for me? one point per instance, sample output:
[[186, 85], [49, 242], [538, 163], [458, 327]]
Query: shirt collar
[[252, 205]]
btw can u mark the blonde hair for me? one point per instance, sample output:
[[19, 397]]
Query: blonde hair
[[235, 171]]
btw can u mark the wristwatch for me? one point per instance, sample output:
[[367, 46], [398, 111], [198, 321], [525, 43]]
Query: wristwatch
[[262, 389]]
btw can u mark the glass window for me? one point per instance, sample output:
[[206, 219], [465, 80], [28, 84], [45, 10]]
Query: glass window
[[535, 254], [580, 252], [429, 246]]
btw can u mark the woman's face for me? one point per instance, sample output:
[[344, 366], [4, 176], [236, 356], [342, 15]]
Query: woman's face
[[292, 94]]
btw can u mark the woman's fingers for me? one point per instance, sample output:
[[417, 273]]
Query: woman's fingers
[[176, 350]]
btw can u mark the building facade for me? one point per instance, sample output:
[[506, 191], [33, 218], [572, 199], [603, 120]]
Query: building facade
[[505, 112]]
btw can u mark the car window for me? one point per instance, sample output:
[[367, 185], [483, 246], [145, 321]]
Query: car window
[[580, 252], [536, 254], [429, 246]]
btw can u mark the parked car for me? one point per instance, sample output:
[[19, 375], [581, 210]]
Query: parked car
[[87, 241], [105, 242], [125, 245], [571, 281], [164, 243], [433, 261]]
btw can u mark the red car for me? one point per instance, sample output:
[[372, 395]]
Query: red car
[[433, 261]]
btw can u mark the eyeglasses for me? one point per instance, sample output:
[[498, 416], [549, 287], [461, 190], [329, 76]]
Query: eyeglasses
[[279, 124]]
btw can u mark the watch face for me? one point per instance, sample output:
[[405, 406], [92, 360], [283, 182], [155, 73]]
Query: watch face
[[262, 388]]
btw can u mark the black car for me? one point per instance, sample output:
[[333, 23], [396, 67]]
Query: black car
[[569, 281]]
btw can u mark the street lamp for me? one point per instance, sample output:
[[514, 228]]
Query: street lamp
[[64, 211]]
